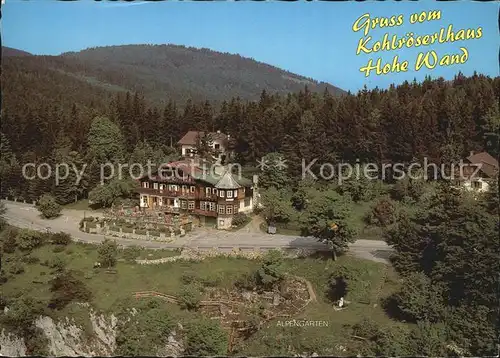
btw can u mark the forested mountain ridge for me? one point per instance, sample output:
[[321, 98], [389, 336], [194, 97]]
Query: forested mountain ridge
[[199, 74], [11, 52], [173, 72]]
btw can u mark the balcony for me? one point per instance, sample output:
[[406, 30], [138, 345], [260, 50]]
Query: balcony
[[205, 212], [147, 191], [167, 193], [164, 209], [204, 196]]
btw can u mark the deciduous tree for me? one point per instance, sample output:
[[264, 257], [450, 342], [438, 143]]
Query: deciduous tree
[[48, 207], [326, 218]]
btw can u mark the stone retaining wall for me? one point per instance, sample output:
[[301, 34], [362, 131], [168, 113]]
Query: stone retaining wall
[[198, 254], [16, 200]]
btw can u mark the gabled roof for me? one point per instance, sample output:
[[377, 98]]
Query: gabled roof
[[227, 182], [483, 157], [222, 180], [244, 182], [191, 137], [180, 167], [487, 163]]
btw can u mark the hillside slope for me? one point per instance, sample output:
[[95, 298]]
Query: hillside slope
[[12, 52], [163, 72], [31, 81], [159, 70]]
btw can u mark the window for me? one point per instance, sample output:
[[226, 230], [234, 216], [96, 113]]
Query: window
[[208, 191], [247, 201], [203, 205], [476, 184], [145, 184], [183, 204], [155, 185], [236, 193], [212, 206], [221, 193], [229, 193], [214, 191], [184, 188], [229, 209], [221, 209], [217, 146], [162, 186], [191, 205], [192, 189]]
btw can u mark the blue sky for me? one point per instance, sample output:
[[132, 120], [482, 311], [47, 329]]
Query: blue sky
[[314, 39]]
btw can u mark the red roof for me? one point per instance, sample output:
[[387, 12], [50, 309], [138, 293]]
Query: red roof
[[487, 163]]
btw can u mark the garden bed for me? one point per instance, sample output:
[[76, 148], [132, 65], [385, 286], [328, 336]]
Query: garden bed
[[123, 228]]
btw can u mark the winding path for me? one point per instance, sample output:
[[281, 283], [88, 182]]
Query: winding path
[[27, 216]]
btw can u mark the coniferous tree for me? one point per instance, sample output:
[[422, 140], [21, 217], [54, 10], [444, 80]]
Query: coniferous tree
[[453, 242]]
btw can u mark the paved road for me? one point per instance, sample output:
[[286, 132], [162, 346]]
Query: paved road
[[26, 216]]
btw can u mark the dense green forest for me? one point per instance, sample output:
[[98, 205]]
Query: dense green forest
[[438, 119]]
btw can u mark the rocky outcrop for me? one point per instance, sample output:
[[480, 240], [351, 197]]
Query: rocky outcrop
[[66, 338], [11, 345], [105, 330], [173, 348]]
